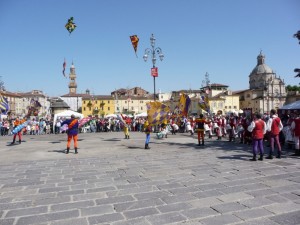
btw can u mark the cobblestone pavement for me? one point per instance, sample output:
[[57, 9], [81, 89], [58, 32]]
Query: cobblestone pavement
[[116, 181]]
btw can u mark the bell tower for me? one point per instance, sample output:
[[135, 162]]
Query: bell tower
[[72, 83]]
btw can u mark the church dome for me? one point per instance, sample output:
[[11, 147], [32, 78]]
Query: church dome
[[261, 67]]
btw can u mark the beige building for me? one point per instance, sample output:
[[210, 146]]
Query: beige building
[[132, 105], [222, 99], [266, 91]]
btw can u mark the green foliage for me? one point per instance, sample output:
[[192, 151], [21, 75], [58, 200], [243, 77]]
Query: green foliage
[[292, 88]]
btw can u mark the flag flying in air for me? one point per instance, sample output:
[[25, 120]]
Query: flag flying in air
[[184, 104], [4, 106], [157, 112], [64, 67], [134, 41], [70, 25], [204, 103]]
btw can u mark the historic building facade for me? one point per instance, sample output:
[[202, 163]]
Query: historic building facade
[[266, 90]]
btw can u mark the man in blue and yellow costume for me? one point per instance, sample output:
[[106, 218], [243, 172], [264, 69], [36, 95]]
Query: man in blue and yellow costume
[[147, 130]]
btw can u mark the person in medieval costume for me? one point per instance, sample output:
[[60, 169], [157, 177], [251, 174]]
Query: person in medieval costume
[[16, 123], [274, 126], [147, 130], [258, 128], [72, 132], [200, 129]]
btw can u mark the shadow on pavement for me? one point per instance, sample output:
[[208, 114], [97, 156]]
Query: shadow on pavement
[[58, 151]]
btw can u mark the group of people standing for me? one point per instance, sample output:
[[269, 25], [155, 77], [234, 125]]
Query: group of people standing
[[255, 129]]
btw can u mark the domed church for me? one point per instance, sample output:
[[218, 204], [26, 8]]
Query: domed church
[[266, 90]]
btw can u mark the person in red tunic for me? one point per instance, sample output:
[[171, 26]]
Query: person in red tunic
[[258, 128], [200, 128], [274, 126], [295, 127]]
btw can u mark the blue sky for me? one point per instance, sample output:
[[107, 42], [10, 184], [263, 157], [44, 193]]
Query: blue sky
[[220, 37]]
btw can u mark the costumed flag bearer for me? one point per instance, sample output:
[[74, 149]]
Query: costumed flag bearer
[[18, 130], [147, 130], [127, 122], [200, 128], [72, 132]]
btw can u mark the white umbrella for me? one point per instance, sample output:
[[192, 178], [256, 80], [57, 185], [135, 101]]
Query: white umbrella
[[110, 115], [143, 114]]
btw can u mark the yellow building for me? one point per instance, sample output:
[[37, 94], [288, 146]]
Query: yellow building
[[98, 105]]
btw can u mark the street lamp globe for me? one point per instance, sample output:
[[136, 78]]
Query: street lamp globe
[[161, 56], [152, 40], [145, 57]]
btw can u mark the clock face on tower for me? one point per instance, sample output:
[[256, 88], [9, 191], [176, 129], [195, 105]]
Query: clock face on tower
[[72, 90]]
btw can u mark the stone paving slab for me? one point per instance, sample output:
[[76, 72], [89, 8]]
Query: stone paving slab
[[115, 181]]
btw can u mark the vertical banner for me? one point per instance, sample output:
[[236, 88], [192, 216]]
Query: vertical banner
[[154, 72]]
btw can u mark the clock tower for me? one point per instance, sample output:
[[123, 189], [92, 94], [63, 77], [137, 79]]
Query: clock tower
[[72, 83]]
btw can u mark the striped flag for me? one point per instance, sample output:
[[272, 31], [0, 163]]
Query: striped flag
[[64, 67], [4, 106]]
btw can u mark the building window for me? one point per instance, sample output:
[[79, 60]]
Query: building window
[[225, 107], [229, 107], [118, 108], [132, 108], [83, 102], [90, 108], [141, 101], [141, 108], [234, 107], [108, 102], [125, 102], [96, 102], [108, 108]]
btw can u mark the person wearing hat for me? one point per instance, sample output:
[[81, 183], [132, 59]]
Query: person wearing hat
[[72, 132], [147, 130]]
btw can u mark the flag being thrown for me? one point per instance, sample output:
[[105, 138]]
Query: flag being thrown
[[64, 68], [134, 41]]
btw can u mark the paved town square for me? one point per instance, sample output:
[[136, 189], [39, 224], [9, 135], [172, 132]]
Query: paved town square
[[116, 181]]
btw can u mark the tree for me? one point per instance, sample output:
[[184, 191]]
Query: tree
[[292, 88]]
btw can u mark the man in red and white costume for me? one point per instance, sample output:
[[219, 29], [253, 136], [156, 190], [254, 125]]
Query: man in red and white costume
[[295, 127], [274, 126], [258, 128]]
